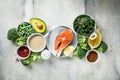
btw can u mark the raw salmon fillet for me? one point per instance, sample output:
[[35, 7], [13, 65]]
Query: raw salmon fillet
[[62, 40]]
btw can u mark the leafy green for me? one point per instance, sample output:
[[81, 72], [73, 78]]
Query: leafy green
[[20, 41], [35, 56], [12, 34], [83, 42], [26, 62], [103, 47], [84, 25], [25, 29], [80, 52]]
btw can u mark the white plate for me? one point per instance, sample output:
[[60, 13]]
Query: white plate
[[51, 37]]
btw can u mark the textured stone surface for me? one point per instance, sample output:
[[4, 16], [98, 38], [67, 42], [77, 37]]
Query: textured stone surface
[[61, 12]]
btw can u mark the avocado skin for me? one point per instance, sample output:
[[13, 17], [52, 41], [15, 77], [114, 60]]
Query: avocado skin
[[45, 29]]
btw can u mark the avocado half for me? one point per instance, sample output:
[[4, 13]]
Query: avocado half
[[38, 25]]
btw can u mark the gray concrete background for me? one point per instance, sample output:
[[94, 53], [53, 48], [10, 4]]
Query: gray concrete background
[[54, 13]]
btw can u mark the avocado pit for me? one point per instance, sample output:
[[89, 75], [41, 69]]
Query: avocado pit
[[40, 26]]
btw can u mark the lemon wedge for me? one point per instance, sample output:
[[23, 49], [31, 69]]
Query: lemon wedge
[[68, 51]]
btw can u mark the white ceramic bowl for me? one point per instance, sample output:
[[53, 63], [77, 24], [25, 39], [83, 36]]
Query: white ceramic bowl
[[94, 61], [51, 37], [19, 55], [45, 54], [34, 34]]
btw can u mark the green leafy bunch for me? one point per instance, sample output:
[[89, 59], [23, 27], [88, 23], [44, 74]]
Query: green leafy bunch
[[84, 25]]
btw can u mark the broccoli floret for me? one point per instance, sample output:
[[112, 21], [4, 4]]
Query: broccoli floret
[[35, 56], [26, 62], [103, 47], [82, 41], [20, 41], [12, 34], [80, 52]]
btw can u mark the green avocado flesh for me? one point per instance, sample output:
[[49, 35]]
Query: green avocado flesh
[[38, 25]]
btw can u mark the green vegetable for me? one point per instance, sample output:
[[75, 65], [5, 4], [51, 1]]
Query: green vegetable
[[12, 34], [84, 25], [38, 25], [103, 47], [35, 56], [80, 52], [26, 62], [25, 29], [82, 41], [20, 41]]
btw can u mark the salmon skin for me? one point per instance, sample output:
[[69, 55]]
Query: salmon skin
[[62, 40]]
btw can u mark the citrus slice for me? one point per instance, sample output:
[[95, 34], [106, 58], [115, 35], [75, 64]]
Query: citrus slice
[[68, 50], [95, 42]]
